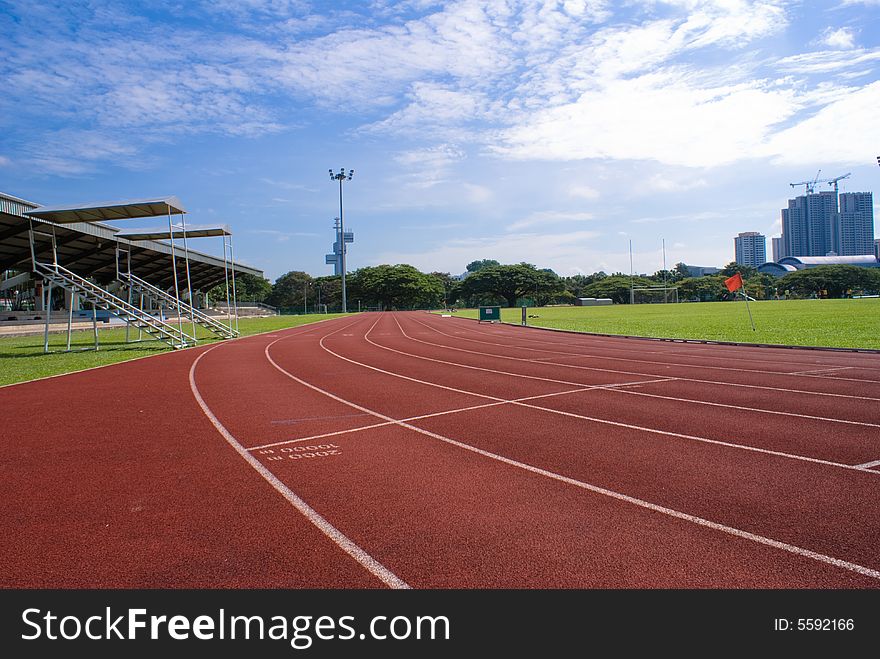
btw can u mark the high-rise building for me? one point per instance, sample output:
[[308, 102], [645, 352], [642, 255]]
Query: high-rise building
[[877, 248], [750, 248], [778, 253], [856, 223], [825, 223]]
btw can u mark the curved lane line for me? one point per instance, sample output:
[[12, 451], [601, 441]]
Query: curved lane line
[[645, 361], [611, 370], [705, 440], [739, 533], [381, 572]]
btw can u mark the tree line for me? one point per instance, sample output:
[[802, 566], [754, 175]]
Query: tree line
[[490, 282]]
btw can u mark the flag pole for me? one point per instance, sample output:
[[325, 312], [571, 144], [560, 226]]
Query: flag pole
[[735, 283], [746, 297]]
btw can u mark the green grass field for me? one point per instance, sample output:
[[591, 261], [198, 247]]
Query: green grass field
[[22, 358], [828, 323]]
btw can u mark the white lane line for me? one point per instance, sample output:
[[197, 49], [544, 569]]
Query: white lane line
[[706, 440], [437, 414], [381, 572], [826, 370], [629, 350], [636, 373], [637, 393], [868, 465], [750, 409], [730, 530], [644, 361]]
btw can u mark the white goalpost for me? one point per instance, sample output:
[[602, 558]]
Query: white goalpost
[[654, 294]]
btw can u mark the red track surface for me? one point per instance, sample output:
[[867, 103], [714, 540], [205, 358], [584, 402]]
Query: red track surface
[[409, 449]]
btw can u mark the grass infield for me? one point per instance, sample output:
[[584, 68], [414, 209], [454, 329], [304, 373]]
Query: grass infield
[[826, 323], [22, 357]]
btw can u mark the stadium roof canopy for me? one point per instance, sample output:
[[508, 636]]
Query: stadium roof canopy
[[195, 231], [793, 263], [89, 248], [801, 262], [776, 269], [109, 210]]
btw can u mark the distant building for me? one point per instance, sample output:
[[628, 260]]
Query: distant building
[[701, 271], [877, 248], [750, 249], [778, 252], [856, 224], [791, 263], [827, 224]]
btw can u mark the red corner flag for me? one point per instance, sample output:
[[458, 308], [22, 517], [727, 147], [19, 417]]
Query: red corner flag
[[734, 283]]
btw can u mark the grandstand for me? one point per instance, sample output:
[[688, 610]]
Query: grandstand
[[142, 278]]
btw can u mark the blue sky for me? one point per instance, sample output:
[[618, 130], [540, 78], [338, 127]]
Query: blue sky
[[547, 132]]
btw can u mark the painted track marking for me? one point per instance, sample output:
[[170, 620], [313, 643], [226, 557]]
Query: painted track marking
[[381, 572], [627, 391], [705, 440], [578, 354], [611, 370], [746, 535], [499, 402]]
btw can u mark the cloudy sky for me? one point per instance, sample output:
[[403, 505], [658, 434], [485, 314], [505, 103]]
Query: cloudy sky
[[552, 132]]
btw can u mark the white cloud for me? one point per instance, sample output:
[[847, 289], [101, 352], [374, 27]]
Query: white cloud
[[543, 218], [655, 117], [842, 38], [427, 167], [841, 132], [4, 161], [666, 183], [477, 194], [583, 192], [828, 61], [565, 253]]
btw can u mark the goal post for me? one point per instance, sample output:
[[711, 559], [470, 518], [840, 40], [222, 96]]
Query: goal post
[[654, 294]]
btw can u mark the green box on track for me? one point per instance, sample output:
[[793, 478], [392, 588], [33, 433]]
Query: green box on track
[[490, 314]]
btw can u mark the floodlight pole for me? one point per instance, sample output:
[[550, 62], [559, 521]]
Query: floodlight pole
[[342, 176]]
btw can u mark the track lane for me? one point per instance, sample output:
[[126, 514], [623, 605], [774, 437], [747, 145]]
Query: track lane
[[115, 479], [862, 374], [746, 394], [846, 491], [728, 568], [853, 443], [807, 359]]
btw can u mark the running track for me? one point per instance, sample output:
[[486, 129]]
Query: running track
[[410, 450]]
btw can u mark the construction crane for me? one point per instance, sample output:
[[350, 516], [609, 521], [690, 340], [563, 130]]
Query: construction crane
[[833, 181], [810, 185]]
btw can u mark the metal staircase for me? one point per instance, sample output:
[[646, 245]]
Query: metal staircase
[[182, 308], [103, 299]]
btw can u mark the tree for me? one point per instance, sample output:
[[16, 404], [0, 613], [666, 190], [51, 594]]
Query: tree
[[476, 266], [247, 287], [328, 292], [451, 287], [831, 280], [733, 267], [290, 290], [512, 282], [616, 287], [681, 271], [399, 286], [709, 288]]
